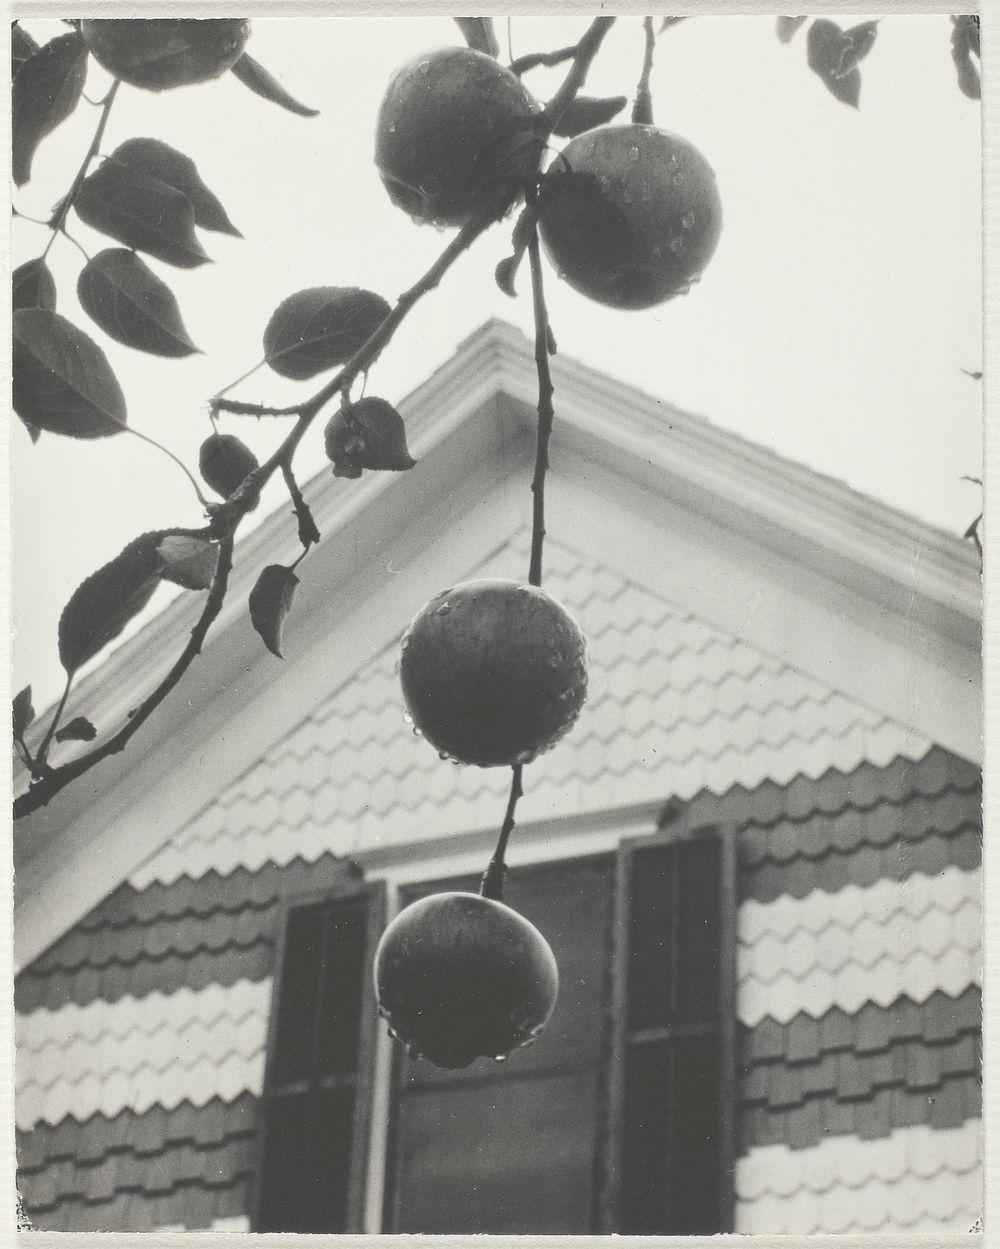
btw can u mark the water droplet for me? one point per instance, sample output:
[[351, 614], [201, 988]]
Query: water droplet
[[677, 179], [633, 152], [685, 290], [525, 756], [392, 127], [605, 182], [443, 756], [417, 732], [423, 67], [526, 1042], [405, 642], [444, 609], [555, 659], [407, 718], [687, 221], [673, 162], [456, 763], [500, 1058], [394, 1034], [677, 245]]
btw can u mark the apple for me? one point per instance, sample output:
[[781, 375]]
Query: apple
[[160, 53], [459, 977]]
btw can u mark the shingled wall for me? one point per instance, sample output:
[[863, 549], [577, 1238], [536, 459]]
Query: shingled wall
[[141, 1032]]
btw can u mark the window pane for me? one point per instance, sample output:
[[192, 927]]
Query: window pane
[[650, 948], [342, 989], [328, 1180], [283, 1164], [698, 929], [299, 999]]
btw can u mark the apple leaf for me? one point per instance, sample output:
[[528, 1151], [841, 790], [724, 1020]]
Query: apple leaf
[[270, 601], [787, 26], [22, 710], [120, 292], [253, 75], [32, 286], [367, 434], [46, 90], [833, 54], [22, 47], [586, 112], [318, 328], [165, 164], [965, 44], [142, 212], [189, 560], [79, 729], [62, 379], [102, 605], [479, 34]]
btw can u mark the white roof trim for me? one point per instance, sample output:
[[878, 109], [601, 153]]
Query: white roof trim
[[729, 508]]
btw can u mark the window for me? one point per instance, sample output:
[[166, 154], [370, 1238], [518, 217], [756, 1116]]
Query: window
[[314, 1109], [620, 1119], [673, 1058]]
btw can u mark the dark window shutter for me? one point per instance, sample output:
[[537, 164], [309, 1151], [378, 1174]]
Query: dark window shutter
[[516, 1148], [671, 1112], [316, 1100]]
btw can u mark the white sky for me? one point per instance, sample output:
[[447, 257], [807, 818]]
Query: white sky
[[832, 324]]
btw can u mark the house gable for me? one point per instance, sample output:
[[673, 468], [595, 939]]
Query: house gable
[[795, 567]]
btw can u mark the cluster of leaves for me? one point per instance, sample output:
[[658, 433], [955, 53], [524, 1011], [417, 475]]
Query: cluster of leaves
[[835, 54]]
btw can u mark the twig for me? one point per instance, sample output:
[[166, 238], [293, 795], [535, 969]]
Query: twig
[[41, 754], [238, 408], [180, 464], [66, 204], [533, 59], [492, 882], [45, 789], [642, 109]]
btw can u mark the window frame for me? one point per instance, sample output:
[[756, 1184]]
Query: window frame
[[610, 1198], [361, 1120]]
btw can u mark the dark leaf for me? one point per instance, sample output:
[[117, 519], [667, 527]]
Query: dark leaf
[[32, 286], [829, 51], [270, 601], [62, 379], [22, 46], [965, 43], [586, 112], [321, 327], [160, 161], [46, 90], [189, 560], [79, 729], [102, 606], [141, 212], [224, 462], [367, 434], [787, 26], [23, 711], [506, 272], [479, 34], [34, 433], [127, 300], [253, 75]]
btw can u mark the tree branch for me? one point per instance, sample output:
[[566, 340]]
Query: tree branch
[[66, 203], [642, 109], [44, 790], [491, 885], [586, 50]]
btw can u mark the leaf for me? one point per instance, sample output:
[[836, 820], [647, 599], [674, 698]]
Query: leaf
[[141, 212], [829, 52], [787, 26], [586, 112], [479, 34], [160, 161], [253, 75], [22, 47], [321, 327], [62, 379], [22, 710], [79, 729], [270, 601], [46, 90], [32, 286], [101, 607], [965, 43], [189, 560], [367, 434], [119, 291]]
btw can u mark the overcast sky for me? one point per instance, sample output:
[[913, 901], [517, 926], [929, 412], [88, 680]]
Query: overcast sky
[[832, 325]]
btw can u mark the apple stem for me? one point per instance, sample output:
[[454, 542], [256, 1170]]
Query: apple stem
[[492, 883], [642, 109]]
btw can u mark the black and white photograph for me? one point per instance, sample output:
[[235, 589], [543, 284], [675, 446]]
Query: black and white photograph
[[496, 572]]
